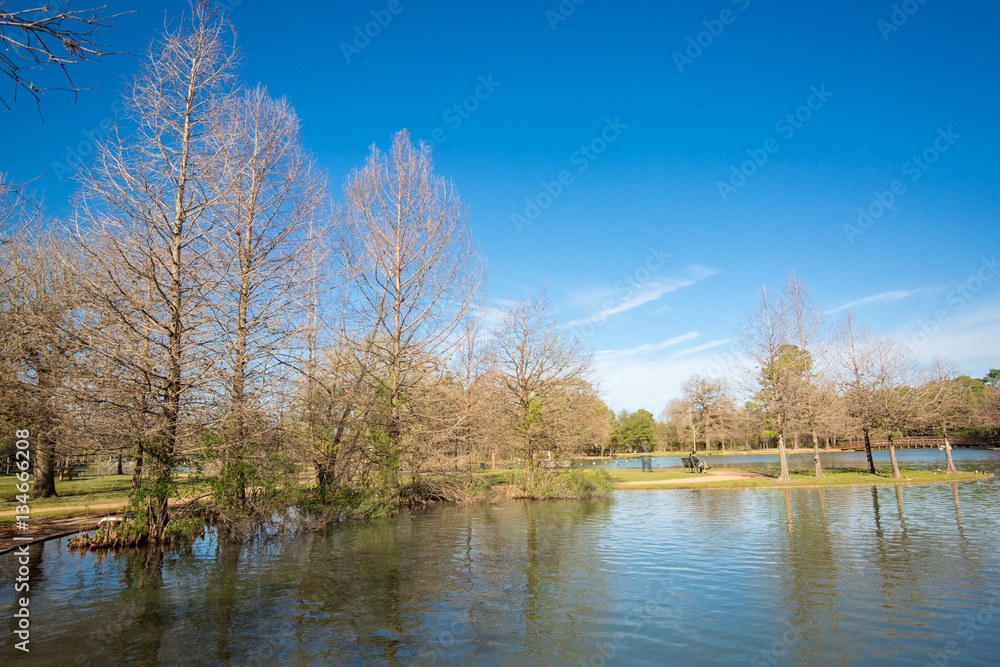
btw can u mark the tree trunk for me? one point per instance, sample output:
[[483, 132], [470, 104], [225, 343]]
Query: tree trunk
[[783, 458], [120, 470], [816, 461], [947, 452], [892, 457], [468, 460], [868, 452], [45, 444], [137, 471], [322, 481], [45, 467], [156, 502]]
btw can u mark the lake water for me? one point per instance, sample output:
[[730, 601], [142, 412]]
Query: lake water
[[839, 576]]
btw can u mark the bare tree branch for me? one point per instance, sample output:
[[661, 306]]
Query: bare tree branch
[[42, 38]]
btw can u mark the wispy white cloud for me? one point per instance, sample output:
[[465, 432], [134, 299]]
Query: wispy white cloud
[[649, 292], [651, 381], [875, 298], [665, 308], [702, 348], [646, 348], [969, 339]]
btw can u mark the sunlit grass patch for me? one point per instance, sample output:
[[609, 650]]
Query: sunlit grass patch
[[637, 475], [87, 491]]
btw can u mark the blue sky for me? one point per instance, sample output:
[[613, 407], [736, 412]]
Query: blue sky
[[651, 164]]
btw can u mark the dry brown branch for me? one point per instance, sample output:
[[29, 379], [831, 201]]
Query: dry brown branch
[[42, 38]]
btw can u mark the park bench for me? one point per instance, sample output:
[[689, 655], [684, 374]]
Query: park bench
[[691, 463]]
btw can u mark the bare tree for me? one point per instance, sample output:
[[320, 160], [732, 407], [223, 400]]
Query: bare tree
[[670, 425], [895, 399], [42, 38], [42, 345], [124, 368], [860, 377], [946, 403], [334, 406], [469, 370], [19, 213], [538, 368], [414, 273], [806, 328], [708, 404], [147, 200], [767, 376], [265, 232]]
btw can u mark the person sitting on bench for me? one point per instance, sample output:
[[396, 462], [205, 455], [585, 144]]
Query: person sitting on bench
[[698, 463]]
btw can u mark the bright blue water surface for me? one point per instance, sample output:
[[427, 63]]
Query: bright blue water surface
[[840, 576]]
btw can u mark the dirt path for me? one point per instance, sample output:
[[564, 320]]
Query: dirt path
[[73, 508], [710, 476], [48, 529]]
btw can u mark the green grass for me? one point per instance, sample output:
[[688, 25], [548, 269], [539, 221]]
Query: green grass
[[637, 475], [86, 491]]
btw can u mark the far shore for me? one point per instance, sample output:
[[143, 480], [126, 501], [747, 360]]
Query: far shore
[[747, 452], [702, 452], [800, 479]]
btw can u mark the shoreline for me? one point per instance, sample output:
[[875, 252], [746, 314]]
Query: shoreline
[[759, 452], [737, 479], [76, 520]]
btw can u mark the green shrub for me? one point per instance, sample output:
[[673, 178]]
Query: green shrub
[[183, 529]]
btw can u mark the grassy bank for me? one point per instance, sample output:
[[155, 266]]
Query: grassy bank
[[494, 485], [637, 475], [78, 495]]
